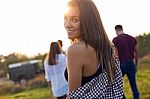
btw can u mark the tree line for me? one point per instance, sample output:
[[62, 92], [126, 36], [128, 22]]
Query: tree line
[[143, 44], [143, 48]]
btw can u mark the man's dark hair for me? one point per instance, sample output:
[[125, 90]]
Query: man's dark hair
[[60, 42], [118, 27]]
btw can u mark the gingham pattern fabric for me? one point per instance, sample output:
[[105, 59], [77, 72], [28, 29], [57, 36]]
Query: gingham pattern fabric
[[99, 87]]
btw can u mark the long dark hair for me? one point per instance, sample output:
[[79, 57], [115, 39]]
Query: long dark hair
[[93, 34], [54, 51]]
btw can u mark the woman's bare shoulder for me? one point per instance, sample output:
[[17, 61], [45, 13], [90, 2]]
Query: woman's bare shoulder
[[76, 48]]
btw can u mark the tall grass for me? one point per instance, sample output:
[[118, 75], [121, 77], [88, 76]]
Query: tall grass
[[39, 93], [38, 88], [38, 82], [142, 78], [143, 83]]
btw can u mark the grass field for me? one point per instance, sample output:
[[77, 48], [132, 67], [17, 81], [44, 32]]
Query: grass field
[[143, 82], [40, 93]]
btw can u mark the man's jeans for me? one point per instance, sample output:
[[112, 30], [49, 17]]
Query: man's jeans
[[128, 67]]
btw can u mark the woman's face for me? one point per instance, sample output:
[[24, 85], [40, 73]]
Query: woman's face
[[72, 22]]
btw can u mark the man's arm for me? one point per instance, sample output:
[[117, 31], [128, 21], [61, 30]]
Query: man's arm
[[115, 52], [115, 48], [136, 55]]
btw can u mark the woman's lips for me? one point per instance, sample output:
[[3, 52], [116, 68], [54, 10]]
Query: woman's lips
[[70, 32]]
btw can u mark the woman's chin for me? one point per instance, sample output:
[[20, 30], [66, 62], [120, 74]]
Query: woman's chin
[[70, 37]]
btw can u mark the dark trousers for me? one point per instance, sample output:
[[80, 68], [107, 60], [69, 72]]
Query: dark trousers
[[129, 68], [61, 97]]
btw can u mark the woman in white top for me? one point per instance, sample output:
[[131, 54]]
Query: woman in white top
[[55, 64]]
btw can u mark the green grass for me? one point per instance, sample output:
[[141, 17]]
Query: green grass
[[143, 83], [39, 93], [142, 79]]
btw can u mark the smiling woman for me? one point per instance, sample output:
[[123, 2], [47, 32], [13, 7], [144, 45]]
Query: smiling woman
[[90, 57], [72, 23]]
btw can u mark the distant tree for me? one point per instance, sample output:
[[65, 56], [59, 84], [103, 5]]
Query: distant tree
[[39, 56], [143, 44]]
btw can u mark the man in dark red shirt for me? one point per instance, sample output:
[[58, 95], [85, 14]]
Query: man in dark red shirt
[[126, 49]]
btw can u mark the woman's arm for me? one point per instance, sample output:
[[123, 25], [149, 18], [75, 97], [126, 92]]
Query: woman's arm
[[74, 62], [47, 75], [50, 87]]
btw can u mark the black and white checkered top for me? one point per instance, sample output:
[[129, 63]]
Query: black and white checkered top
[[100, 88]]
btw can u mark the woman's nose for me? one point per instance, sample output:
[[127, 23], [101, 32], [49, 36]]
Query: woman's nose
[[67, 24]]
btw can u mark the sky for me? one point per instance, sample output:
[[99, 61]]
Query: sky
[[28, 26]]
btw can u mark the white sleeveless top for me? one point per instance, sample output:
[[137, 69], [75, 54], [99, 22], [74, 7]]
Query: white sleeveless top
[[55, 74]]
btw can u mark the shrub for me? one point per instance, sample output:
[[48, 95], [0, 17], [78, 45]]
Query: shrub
[[2, 73], [5, 89], [17, 88], [11, 88], [37, 82]]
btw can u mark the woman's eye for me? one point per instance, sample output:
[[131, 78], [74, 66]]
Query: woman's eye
[[74, 20]]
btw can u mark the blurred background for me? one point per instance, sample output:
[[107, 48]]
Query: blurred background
[[27, 27]]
